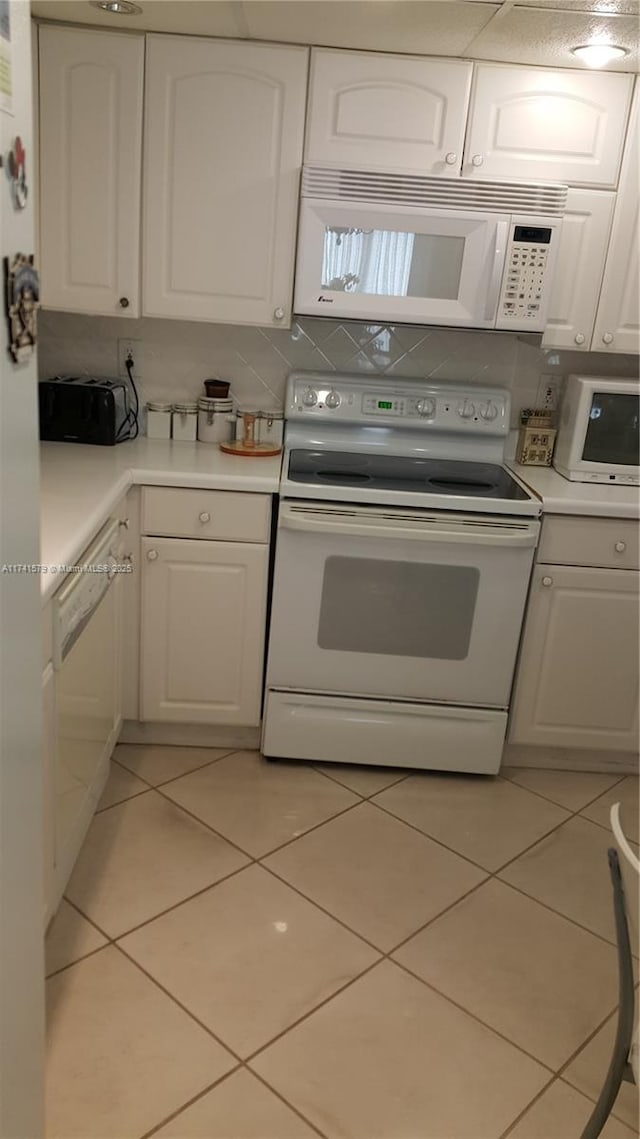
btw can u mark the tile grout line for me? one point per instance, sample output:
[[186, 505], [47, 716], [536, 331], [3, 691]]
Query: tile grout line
[[616, 778], [394, 783], [189, 1103], [281, 846], [381, 955], [518, 1119], [185, 1010]]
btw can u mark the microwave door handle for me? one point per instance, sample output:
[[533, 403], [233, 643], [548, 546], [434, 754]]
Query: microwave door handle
[[525, 536], [493, 294]]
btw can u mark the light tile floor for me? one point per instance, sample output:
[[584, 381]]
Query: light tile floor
[[251, 950]]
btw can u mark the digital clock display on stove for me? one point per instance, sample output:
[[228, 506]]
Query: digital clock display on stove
[[385, 404]]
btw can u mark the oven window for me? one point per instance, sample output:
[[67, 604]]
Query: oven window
[[612, 430], [406, 609], [387, 263]]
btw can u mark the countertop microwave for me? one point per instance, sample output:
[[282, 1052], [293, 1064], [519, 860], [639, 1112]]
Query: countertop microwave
[[394, 248], [598, 439]]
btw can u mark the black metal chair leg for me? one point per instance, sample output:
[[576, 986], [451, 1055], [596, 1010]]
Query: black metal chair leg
[[619, 1067]]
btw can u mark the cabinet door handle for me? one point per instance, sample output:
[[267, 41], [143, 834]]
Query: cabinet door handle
[[477, 160], [547, 581], [620, 547], [204, 516], [278, 313], [451, 158], [124, 302], [579, 338], [124, 522], [152, 555], [607, 338]]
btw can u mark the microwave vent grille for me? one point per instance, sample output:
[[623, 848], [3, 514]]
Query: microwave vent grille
[[414, 190]]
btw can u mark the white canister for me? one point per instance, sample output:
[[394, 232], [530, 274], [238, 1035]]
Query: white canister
[[184, 422], [214, 420], [158, 420], [271, 427]]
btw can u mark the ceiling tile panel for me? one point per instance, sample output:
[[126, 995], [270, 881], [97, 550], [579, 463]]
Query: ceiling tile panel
[[412, 26], [541, 36]]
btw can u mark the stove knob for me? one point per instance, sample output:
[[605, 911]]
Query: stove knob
[[489, 411], [466, 410], [310, 398], [332, 400], [426, 407]]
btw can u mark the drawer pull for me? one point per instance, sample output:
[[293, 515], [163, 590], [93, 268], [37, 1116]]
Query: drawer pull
[[152, 555], [607, 337], [204, 516], [579, 338], [547, 581], [477, 160], [620, 547], [451, 158]]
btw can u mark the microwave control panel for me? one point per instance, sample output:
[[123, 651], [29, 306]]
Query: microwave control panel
[[526, 283]]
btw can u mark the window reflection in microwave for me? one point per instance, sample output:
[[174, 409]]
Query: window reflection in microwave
[[390, 263]]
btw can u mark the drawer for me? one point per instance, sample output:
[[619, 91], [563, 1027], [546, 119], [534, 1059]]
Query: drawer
[[572, 541], [217, 514]]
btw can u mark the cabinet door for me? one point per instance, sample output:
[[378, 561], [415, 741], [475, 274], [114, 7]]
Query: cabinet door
[[578, 274], [560, 126], [387, 112], [617, 327], [203, 628], [223, 147], [577, 680], [90, 160]]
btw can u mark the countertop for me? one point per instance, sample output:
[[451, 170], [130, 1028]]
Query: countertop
[[80, 486], [560, 496]]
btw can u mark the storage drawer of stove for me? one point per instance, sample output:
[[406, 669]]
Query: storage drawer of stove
[[337, 729], [612, 543]]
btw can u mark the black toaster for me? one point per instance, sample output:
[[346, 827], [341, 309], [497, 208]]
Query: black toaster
[[85, 409]]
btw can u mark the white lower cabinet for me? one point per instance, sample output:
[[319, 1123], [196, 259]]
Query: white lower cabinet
[[203, 628], [577, 681]]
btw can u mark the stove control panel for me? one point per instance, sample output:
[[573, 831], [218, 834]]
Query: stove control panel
[[437, 406]]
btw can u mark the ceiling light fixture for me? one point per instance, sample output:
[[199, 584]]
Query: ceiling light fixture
[[598, 54], [118, 7]]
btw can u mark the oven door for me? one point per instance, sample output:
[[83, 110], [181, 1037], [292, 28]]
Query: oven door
[[392, 263], [398, 603]]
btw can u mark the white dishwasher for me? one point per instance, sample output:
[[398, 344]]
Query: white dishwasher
[[85, 657]]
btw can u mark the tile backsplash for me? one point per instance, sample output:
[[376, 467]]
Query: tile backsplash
[[177, 356]]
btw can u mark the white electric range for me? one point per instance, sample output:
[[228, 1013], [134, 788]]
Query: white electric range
[[403, 556]]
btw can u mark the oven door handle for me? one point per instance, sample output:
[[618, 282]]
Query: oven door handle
[[523, 535]]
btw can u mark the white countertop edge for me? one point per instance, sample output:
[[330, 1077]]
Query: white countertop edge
[[561, 496]]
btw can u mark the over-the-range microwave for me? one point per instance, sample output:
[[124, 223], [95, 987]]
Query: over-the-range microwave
[[397, 248], [599, 436]]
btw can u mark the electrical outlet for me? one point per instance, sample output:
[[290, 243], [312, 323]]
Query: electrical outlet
[[549, 392], [130, 350]]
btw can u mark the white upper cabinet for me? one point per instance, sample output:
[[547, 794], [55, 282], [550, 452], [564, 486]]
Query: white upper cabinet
[[554, 126], [584, 237], [387, 112], [90, 158], [223, 149], [617, 327]]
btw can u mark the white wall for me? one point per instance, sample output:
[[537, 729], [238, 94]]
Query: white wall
[[178, 355], [21, 909]]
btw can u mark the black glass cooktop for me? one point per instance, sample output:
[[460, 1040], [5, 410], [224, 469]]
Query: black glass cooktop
[[404, 473]]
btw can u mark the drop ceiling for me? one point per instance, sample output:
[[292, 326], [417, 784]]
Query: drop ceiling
[[509, 31]]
